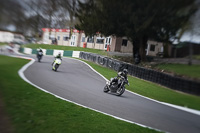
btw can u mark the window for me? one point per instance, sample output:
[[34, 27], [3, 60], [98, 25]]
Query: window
[[100, 40], [65, 38], [58, 37], [90, 39], [124, 42], [152, 47], [109, 40], [83, 39]]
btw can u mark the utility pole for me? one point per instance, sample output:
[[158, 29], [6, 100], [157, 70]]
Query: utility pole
[[190, 53], [72, 14], [190, 49]]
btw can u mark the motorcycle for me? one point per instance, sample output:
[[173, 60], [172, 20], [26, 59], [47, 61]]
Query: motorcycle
[[56, 64], [39, 56], [117, 87]]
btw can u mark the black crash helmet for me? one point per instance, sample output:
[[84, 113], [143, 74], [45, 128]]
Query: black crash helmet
[[125, 71]]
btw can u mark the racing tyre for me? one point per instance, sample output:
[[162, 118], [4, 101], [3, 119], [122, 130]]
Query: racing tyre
[[56, 67], [120, 91], [105, 89]]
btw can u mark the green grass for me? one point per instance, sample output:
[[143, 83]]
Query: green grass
[[153, 90], [1, 43], [196, 57], [67, 48], [34, 111], [182, 69]]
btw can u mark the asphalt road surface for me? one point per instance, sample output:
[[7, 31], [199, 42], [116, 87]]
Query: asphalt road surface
[[75, 81]]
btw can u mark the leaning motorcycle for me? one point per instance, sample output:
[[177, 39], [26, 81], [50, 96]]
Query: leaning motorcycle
[[117, 87], [56, 64], [39, 56]]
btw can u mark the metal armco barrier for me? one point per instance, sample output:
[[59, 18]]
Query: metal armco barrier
[[176, 83]]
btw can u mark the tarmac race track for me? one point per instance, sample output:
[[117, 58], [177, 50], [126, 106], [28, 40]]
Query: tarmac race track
[[75, 81]]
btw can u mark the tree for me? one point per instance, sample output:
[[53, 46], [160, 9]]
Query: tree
[[138, 20], [87, 14], [35, 20], [70, 6], [36, 14], [47, 13], [10, 10]]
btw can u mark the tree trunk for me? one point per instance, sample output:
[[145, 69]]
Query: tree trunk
[[136, 47], [139, 45], [143, 45]]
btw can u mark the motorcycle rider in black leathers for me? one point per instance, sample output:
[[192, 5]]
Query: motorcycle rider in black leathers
[[38, 51], [121, 73]]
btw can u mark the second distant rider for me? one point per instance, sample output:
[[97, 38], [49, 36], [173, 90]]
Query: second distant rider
[[58, 56]]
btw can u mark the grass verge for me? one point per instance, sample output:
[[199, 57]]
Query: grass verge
[[32, 110], [153, 90], [1, 43], [196, 57], [192, 71]]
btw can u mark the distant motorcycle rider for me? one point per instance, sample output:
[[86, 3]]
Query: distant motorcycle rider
[[39, 54], [38, 51], [58, 56]]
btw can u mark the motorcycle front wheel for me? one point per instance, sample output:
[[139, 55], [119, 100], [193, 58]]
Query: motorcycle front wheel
[[120, 91], [106, 89]]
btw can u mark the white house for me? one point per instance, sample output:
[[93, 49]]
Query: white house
[[7, 37]]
